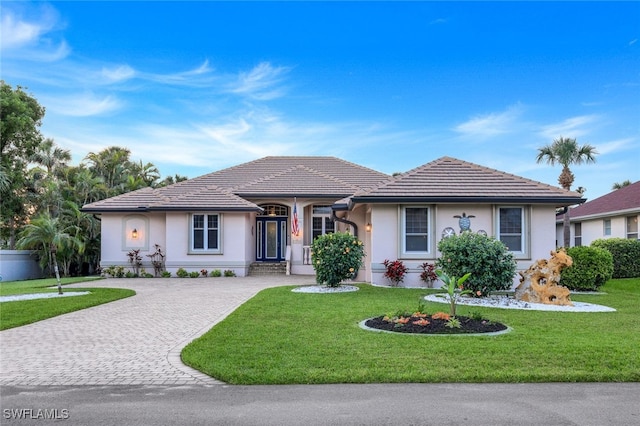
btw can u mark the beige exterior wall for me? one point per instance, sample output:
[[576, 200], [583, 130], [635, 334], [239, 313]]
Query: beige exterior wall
[[385, 238]]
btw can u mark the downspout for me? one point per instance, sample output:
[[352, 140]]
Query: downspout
[[348, 222]]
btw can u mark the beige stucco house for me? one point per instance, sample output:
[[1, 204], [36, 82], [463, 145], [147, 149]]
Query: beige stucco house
[[614, 215], [244, 215]]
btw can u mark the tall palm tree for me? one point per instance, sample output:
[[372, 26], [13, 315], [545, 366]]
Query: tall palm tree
[[45, 235], [566, 151]]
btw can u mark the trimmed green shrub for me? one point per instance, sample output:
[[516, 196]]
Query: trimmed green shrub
[[194, 274], [626, 255], [165, 274], [336, 257], [182, 273], [216, 273], [489, 261], [592, 267], [229, 273]]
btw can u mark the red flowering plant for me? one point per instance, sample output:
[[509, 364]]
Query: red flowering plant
[[428, 274], [395, 271]]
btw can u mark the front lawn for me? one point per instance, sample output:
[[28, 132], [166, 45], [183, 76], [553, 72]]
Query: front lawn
[[280, 337], [17, 313]]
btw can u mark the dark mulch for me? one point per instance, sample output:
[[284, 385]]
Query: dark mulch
[[437, 326]]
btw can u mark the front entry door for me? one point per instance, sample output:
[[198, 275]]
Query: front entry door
[[271, 241]]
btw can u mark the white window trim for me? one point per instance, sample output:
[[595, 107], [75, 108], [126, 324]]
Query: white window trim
[[220, 239], [404, 254], [526, 229]]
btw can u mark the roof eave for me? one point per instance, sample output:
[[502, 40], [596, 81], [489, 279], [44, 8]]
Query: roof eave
[[557, 201]]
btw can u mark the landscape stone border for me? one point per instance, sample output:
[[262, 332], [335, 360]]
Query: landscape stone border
[[323, 289]]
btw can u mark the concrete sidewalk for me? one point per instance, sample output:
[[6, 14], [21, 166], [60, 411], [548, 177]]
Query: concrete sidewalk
[[133, 341]]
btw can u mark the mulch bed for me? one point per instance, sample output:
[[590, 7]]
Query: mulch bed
[[437, 326]]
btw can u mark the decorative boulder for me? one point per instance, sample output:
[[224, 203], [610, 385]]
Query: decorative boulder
[[540, 283]]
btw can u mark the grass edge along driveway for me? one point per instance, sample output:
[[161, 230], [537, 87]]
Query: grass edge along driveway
[[23, 312], [280, 337]]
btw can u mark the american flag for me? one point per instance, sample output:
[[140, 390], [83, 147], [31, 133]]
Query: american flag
[[295, 230]]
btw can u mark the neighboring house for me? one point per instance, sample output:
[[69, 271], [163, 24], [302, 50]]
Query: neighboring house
[[614, 215], [244, 215]]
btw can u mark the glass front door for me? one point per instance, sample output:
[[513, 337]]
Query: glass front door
[[271, 237]]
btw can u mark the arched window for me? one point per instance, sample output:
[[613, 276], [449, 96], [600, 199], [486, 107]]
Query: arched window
[[274, 210]]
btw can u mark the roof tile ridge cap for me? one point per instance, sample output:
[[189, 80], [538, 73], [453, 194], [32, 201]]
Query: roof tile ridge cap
[[329, 176], [416, 170], [264, 178], [359, 166]]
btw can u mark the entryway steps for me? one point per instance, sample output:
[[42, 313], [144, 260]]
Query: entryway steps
[[267, 268]]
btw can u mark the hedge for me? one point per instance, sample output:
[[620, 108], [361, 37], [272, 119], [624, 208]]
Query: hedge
[[626, 256]]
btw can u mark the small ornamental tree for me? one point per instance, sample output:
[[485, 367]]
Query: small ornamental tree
[[489, 261], [336, 257]]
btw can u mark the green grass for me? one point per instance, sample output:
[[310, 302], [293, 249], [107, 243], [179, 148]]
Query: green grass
[[280, 337], [44, 285], [18, 313]]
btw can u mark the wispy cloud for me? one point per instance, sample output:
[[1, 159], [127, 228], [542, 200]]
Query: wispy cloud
[[571, 127], [82, 105], [118, 74], [614, 146], [32, 39], [261, 83], [492, 124]]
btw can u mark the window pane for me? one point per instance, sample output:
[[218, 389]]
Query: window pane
[[212, 239], [512, 242], [317, 227], [511, 221], [198, 221], [212, 221], [321, 209], [511, 228], [416, 243], [198, 239], [416, 221], [328, 225]]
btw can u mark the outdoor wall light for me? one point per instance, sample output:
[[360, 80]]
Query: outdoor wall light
[[368, 227], [134, 234]]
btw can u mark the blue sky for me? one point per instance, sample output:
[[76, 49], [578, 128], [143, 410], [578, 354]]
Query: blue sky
[[197, 86]]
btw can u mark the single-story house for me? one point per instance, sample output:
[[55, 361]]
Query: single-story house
[[269, 211], [614, 215]]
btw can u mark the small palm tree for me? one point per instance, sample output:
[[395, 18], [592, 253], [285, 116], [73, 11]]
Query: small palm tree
[[45, 236], [566, 151]]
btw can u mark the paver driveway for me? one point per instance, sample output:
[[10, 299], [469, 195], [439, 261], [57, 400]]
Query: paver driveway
[[136, 340]]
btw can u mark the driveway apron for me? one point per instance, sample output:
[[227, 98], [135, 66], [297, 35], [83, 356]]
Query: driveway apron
[[133, 341]]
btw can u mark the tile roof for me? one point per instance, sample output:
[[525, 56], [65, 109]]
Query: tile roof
[[265, 177], [451, 180], [619, 201]]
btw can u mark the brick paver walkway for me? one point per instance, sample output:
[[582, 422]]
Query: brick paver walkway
[[134, 341]]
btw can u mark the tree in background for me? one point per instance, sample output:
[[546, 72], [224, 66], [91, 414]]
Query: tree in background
[[41, 194], [619, 185], [567, 152], [20, 121]]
